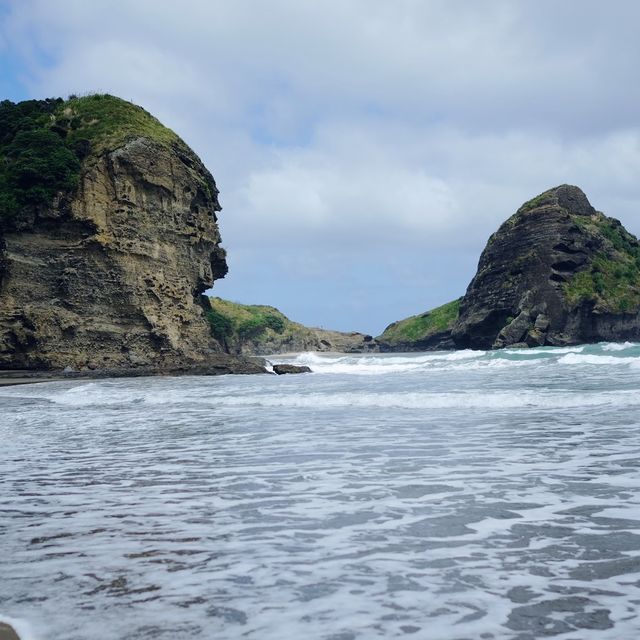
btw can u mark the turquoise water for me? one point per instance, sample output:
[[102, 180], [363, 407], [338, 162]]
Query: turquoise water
[[436, 496]]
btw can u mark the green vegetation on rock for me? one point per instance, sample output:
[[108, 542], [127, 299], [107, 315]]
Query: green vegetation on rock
[[263, 330], [233, 323], [42, 144], [221, 326], [612, 281], [36, 162], [544, 198], [422, 326]]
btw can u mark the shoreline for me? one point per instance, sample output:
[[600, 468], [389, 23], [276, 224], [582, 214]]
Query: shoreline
[[246, 366], [14, 382]]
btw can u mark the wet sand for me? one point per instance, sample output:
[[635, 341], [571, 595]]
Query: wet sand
[[7, 382], [10, 377], [248, 365], [7, 632]]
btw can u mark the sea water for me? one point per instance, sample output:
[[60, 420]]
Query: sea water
[[441, 496]]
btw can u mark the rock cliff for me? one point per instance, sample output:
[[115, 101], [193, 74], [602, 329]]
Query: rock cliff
[[557, 272], [103, 263]]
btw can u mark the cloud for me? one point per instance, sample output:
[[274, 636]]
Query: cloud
[[364, 150]]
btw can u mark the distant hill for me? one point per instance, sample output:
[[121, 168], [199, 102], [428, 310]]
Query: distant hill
[[262, 330]]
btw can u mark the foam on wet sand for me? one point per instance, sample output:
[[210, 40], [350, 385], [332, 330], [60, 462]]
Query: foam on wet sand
[[451, 495]]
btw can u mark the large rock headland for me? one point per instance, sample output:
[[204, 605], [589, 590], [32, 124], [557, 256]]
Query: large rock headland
[[108, 240]]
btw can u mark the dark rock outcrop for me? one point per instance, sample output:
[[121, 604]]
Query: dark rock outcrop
[[557, 272], [109, 276], [282, 369]]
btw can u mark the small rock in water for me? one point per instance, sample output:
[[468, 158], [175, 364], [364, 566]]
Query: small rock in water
[[281, 369]]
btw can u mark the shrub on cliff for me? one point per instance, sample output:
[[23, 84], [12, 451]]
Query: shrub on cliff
[[220, 325], [35, 161]]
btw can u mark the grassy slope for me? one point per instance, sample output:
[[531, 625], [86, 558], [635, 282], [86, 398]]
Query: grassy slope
[[234, 324], [422, 326], [108, 122]]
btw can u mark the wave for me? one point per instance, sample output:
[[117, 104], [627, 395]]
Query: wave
[[548, 351], [600, 360], [462, 400], [109, 397], [619, 346], [377, 364], [467, 360]]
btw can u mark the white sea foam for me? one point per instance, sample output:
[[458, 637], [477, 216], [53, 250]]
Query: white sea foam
[[619, 346], [481, 495], [601, 360]]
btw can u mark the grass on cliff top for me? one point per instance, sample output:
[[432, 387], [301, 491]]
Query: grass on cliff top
[[612, 281], [108, 122], [422, 326], [541, 199]]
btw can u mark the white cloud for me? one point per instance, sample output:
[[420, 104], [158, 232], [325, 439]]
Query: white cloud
[[372, 137]]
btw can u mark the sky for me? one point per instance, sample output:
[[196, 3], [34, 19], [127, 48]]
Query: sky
[[364, 149]]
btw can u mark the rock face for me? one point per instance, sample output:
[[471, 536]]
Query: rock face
[[110, 276], [557, 272]]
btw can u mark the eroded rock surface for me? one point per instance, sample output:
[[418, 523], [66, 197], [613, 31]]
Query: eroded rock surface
[[110, 276]]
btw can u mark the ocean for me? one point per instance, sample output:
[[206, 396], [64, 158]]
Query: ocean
[[440, 496]]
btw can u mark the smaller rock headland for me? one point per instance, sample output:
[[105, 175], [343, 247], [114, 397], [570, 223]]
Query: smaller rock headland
[[556, 273]]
